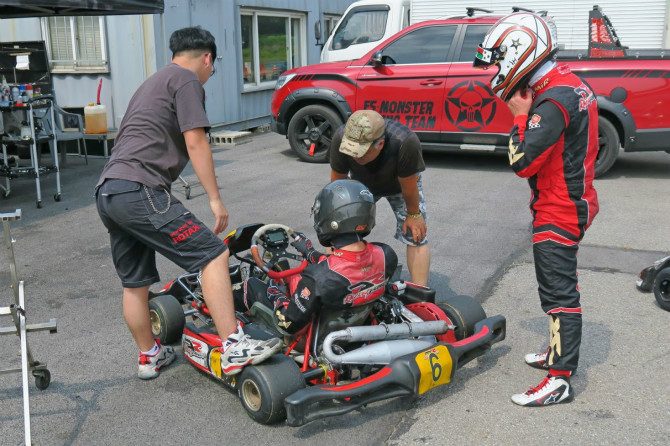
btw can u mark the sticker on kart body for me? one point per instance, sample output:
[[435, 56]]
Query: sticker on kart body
[[435, 366], [196, 349]]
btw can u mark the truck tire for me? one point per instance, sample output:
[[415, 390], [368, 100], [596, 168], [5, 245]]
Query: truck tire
[[313, 125], [608, 142]]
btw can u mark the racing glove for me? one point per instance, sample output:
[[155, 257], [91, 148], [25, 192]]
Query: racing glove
[[277, 295], [304, 246]]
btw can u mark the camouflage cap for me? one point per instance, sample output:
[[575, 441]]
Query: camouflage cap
[[363, 128]]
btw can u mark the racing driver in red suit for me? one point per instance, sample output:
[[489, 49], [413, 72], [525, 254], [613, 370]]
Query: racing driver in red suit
[[553, 143], [355, 273]]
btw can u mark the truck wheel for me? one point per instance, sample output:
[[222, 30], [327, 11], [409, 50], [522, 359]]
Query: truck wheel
[[464, 313], [167, 318], [263, 388], [608, 142], [310, 131], [662, 288]]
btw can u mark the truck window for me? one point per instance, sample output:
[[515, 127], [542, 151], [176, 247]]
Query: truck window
[[360, 26], [474, 35], [429, 44]]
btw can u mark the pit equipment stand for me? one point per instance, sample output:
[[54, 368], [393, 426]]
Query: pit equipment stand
[[18, 313]]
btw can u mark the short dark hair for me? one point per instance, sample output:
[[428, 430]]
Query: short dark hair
[[194, 38]]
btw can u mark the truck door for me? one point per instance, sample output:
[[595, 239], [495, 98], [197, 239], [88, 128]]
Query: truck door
[[409, 85], [475, 116]]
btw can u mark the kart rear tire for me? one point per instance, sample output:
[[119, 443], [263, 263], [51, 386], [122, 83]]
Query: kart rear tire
[[167, 318], [263, 388], [662, 288], [464, 313], [313, 124]]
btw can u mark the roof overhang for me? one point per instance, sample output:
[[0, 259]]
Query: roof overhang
[[44, 8]]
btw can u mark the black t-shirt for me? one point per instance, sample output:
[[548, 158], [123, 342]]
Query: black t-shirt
[[400, 157], [150, 146]]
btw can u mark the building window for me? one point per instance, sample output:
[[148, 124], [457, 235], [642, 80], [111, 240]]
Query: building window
[[330, 22], [76, 44], [271, 44]]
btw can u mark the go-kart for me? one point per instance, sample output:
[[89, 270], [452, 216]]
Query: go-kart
[[403, 343], [656, 278]]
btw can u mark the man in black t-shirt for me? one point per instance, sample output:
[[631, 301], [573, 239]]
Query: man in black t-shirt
[[164, 127], [386, 156]]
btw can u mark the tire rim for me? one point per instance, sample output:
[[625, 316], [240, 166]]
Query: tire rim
[[317, 128], [155, 323], [251, 395]]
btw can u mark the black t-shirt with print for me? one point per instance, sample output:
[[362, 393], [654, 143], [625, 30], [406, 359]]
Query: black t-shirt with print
[[400, 157]]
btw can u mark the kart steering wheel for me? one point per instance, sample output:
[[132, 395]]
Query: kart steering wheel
[[278, 250]]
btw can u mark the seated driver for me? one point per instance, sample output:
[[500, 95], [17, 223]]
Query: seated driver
[[355, 273]]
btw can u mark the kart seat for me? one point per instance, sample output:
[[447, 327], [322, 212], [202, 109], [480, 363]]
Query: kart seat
[[266, 315]]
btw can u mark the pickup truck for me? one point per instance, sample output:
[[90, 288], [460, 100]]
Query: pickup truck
[[423, 77]]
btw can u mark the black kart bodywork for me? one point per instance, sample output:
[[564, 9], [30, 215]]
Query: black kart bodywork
[[411, 374], [656, 278]]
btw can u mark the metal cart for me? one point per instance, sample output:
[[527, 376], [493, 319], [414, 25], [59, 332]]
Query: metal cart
[[39, 115], [17, 310]]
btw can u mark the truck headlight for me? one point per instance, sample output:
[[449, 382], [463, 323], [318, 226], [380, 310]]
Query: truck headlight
[[283, 79]]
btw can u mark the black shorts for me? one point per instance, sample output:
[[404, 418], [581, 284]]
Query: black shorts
[[142, 221]]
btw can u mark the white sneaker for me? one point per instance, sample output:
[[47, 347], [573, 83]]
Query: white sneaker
[[538, 360], [240, 350], [553, 390], [150, 365]]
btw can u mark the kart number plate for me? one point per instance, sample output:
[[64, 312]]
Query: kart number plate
[[435, 365]]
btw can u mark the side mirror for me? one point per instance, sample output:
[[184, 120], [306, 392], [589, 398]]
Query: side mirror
[[376, 59], [317, 31]]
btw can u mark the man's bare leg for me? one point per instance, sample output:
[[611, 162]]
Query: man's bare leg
[[418, 263], [136, 313], [218, 293]]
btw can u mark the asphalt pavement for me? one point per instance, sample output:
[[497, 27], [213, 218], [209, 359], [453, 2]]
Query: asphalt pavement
[[479, 229]]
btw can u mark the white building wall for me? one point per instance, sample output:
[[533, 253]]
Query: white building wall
[[639, 23]]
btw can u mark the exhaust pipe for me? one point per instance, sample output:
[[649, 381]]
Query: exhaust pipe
[[396, 337]]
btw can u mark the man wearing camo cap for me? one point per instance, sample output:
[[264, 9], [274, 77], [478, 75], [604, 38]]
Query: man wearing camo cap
[[386, 156]]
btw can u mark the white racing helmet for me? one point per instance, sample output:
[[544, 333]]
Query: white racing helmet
[[518, 44]]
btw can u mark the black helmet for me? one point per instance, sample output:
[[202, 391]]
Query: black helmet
[[343, 207]]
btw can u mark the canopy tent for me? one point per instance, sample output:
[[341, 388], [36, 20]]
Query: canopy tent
[[43, 8]]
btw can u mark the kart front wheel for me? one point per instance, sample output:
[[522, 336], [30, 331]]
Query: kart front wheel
[[263, 388], [167, 318], [464, 313], [662, 288]]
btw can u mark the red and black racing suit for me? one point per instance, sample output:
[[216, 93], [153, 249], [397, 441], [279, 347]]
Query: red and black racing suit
[[555, 147], [342, 279]]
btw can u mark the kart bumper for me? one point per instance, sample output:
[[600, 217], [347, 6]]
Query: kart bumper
[[411, 374], [645, 280]]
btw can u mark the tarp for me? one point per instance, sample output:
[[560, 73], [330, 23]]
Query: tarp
[[44, 8]]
